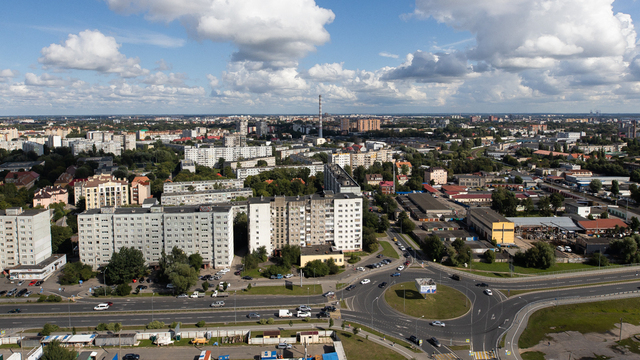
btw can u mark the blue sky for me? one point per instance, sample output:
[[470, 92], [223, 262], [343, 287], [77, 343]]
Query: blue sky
[[275, 56]]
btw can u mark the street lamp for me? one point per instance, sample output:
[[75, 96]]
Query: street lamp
[[417, 324], [235, 309], [307, 296], [372, 310], [152, 293], [104, 278], [404, 298]]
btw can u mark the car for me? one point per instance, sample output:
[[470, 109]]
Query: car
[[328, 294], [131, 357], [217, 277], [27, 293], [182, 296], [284, 346], [380, 256], [253, 316], [304, 314], [482, 284], [400, 268], [288, 276], [141, 279], [219, 303], [365, 281], [435, 342], [12, 292], [386, 261], [437, 323], [20, 282], [170, 286], [39, 282], [15, 311], [148, 280], [276, 277], [102, 306], [455, 277], [395, 274], [567, 248], [323, 314], [382, 284], [247, 278], [414, 339], [3, 292], [304, 308], [488, 292], [329, 308], [350, 287], [360, 268], [225, 270], [237, 272], [21, 292], [560, 248], [33, 282], [406, 263], [141, 287]]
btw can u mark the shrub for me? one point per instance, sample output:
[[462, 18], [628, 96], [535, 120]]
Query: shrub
[[490, 256], [155, 325], [175, 324], [205, 286], [42, 298], [306, 319], [123, 290], [200, 323], [101, 327], [263, 322], [248, 286], [270, 321], [47, 329], [57, 298]]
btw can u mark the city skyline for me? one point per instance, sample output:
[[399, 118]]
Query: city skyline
[[276, 57]]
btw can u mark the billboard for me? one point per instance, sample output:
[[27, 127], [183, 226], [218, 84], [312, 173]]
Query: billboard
[[426, 286]]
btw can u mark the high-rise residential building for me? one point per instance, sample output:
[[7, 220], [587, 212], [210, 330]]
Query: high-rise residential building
[[140, 189], [345, 124], [242, 127], [25, 237], [262, 128], [368, 125], [355, 159], [207, 230], [235, 140], [317, 219], [339, 181], [205, 196], [182, 186], [211, 156], [54, 141], [102, 190]]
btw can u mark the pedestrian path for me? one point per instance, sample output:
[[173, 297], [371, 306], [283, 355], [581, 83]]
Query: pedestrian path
[[447, 356], [484, 355]]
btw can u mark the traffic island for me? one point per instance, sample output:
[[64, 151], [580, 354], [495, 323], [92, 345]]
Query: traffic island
[[445, 303]]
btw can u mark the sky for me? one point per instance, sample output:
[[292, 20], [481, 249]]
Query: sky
[[86, 57]]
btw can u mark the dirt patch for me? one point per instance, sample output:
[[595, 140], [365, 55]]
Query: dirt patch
[[587, 346]]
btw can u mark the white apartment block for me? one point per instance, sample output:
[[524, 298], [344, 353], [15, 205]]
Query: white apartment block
[[243, 173], [338, 180], [79, 145], [210, 156], [306, 221], [25, 237], [205, 196], [102, 190], [355, 159], [183, 186], [207, 230]]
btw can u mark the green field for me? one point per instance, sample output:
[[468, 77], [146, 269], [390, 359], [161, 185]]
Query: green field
[[358, 348], [282, 290], [532, 355], [596, 317], [446, 303], [504, 268], [388, 250]]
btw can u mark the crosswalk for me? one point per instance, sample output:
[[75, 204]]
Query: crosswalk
[[447, 356], [484, 355]]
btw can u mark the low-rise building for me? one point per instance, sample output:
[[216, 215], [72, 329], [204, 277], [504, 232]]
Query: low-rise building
[[373, 179], [401, 165], [491, 225], [387, 187], [437, 174], [50, 195], [322, 253], [140, 189], [22, 179], [601, 226]]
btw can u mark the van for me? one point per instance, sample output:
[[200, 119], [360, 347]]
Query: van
[[103, 306], [284, 313]]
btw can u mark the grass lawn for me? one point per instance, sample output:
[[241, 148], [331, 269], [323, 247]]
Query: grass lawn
[[359, 348], [388, 250], [597, 317], [446, 303], [255, 273], [379, 235], [520, 292], [504, 267], [628, 344], [282, 290], [341, 285], [460, 347], [283, 333], [532, 355]]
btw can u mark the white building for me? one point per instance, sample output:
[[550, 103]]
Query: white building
[[210, 156], [33, 146], [243, 173], [207, 230], [306, 221], [25, 237], [205, 196], [182, 186], [54, 141]]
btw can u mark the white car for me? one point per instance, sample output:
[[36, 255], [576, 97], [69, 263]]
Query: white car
[[304, 314], [488, 292], [400, 268], [328, 294], [567, 248], [437, 323], [365, 281], [224, 271], [288, 276], [304, 308], [560, 248], [360, 268]]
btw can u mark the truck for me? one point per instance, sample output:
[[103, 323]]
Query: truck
[[197, 294], [216, 293], [284, 313]]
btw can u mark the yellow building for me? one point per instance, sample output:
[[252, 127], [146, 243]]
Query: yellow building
[[320, 252], [491, 225]]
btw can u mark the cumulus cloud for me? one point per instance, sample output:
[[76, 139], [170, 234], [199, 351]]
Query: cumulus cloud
[[428, 67], [162, 65], [255, 77], [160, 78], [91, 50], [329, 72], [262, 30], [389, 55], [7, 74], [44, 80]]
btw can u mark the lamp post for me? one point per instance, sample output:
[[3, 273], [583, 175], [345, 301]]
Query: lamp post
[[372, 310], [307, 296], [104, 278], [404, 298], [152, 293], [235, 309], [417, 324]]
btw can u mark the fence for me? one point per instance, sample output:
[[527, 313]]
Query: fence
[[273, 341]]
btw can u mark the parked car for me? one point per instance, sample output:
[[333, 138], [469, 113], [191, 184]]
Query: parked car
[[237, 272], [22, 292], [365, 281], [437, 323], [560, 248], [39, 282], [488, 292], [253, 316], [407, 263], [360, 268], [380, 256], [170, 286], [382, 284], [400, 268], [3, 292], [288, 276], [395, 274], [323, 314], [567, 248], [27, 293], [247, 278], [386, 261], [20, 282], [284, 346], [33, 282], [276, 277], [131, 357], [350, 287]]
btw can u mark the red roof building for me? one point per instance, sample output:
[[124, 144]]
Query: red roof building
[[599, 226], [386, 187]]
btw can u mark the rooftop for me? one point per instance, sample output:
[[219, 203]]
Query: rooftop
[[427, 203], [602, 224], [318, 250], [487, 215], [562, 222]]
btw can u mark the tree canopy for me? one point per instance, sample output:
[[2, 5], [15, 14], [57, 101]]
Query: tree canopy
[[504, 202], [125, 265]]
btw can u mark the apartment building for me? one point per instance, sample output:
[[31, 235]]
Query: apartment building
[[102, 190], [242, 127], [25, 237], [184, 186], [339, 181], [50, 195], [345, 124], [243, 173], [355, 159], [210, 156], [310, 220], [205, 196], [270, 160], [207, 230], [437, 174], [140, 189], [368, 125], [79, 145], [235, 140]]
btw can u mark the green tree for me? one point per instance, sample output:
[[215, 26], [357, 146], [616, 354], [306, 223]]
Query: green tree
[[201, 323], [73, 272], [195, 261], [55, 351], [490, 256], [635, 224], [504, 202], [205, 286], [125, 265], [123, 289], [383, 224], [407, 226], [625, 249], [333, 267], [290, 255], [433, 248], [595, 185], [615, 187], [48, 328], [316, 268], [528, 205], [598, 259], [541, 256], [518, 180], [61, 239], [556, 200], [543, 205], [182, 276]]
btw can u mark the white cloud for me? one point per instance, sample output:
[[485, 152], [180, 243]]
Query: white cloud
[[148, 37], [160, 78], [162, 65], [329, 72], [213, 81], [389, 55], [255, 77], [263, 30], [428, 67], [44, 80], [7, 74], [91, 50]]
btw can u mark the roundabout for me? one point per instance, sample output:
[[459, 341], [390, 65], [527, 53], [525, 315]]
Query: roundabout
[[446, 303]]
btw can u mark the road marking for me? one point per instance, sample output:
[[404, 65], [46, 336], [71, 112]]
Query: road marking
[[446, 356], [484, 355]]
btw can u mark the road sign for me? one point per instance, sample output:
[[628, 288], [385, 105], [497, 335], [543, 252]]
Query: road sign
[[468, 340]]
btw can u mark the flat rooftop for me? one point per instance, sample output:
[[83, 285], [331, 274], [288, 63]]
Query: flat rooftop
[[487, 215], [428, 203], [318, 250]]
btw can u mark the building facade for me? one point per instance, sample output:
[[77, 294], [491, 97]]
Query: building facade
[[25, 237], [210, 156], [491, 225], [102, 190], [50, 195], [207, 230], [339, 181], [318, 219], [140, 189], [205, 196], [184, 186], [437, 174], [368, 125]]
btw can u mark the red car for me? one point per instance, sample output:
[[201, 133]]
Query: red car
[[406, 263], [33, 282]]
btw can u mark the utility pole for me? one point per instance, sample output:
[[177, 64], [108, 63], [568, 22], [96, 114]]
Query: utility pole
[[620, 330]]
